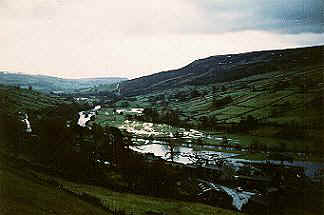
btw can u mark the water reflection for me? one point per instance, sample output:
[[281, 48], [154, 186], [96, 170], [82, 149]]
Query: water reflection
[[185, 155], [189, 155]]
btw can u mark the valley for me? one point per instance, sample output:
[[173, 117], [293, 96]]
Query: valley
[[223, 135]]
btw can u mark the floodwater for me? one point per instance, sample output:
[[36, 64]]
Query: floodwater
[[190, 155], [187, 152], [182, 154], [155, 130], [195, 143]]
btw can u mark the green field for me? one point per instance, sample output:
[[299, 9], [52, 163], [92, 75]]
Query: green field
[[267, 102], [15, 100]]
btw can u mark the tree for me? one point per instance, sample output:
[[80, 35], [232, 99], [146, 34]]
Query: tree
[[115, 140], [223, 88], [222, 102], [125, 104], [98, 133], [195, 93], [208, 122], [172, 150], [30, 87], [282, 146], [249, 123], [11, 131], [151, 115], [214, 89]]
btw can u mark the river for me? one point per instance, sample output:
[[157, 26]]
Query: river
[[27, 123], [85, 116]]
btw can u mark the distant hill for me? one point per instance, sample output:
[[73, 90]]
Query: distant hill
[[222, 68], [48, 83]]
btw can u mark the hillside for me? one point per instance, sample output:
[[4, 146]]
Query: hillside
[[48, 83], [13, 100], [25, 189], [280, 103], [222, 68], [23, 193]]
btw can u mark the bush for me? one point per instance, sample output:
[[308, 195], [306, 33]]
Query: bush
[[222, 102]]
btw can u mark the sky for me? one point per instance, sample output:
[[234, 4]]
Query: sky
[[105, 38]]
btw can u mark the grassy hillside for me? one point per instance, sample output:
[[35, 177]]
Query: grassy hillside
[[26, 191], [24, 194], [286, 103], [13, 100], [224, 68]]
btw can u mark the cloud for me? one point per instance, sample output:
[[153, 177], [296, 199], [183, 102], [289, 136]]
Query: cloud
[[82, 38], [281, 16]]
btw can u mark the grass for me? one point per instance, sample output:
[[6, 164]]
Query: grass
[[15, 100], [23, 194], [245, 102], [273, 106], [139, 204], [26, 191]]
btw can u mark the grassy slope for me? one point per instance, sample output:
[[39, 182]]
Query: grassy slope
[[223, 68], [25, 191], [14, 100], [21, 193], [22, 196], [266, 103], [142, 204], [261, 103]]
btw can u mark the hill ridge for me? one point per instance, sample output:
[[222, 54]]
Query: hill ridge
[[222, 68]]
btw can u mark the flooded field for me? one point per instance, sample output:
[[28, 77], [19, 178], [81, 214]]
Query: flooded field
[[192, 144]]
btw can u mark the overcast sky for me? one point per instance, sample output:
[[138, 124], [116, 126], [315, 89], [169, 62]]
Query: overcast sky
[[91, 38]]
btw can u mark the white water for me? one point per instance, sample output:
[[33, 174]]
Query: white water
[[133, 110], [86, 116], [239, 198], [27, 123]]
